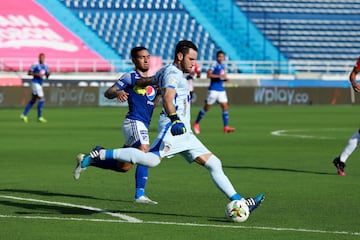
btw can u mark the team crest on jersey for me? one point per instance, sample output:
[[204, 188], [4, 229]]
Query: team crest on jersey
[[172, 80], [150, 93]]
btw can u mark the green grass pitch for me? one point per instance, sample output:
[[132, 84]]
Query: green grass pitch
[[305, 198]]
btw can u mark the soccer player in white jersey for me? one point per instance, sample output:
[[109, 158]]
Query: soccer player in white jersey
[[175, 135], [39, 71], [354, 140], [216, 93], [135, 127]]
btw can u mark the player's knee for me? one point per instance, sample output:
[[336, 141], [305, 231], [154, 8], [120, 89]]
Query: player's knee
[[154, 161], [224, 106], [213, 163], [144, 147], [124, 167]]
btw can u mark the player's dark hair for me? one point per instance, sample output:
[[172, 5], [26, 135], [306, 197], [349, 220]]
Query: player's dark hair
[[184, 47], [135, 50], [219, 52]]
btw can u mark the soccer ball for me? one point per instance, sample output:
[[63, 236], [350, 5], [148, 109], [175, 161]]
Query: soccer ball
[[237, 211]]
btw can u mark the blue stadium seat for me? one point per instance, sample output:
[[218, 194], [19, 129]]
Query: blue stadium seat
[[323, 30], [123, 24], [124, 4], [300, 29]]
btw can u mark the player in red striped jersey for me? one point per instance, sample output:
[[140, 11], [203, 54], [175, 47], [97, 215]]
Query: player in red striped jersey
[[354, 141]]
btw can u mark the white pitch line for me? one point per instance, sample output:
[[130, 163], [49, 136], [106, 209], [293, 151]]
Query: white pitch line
[[288, 133], [119, 215], [187, 224], [256, 227]]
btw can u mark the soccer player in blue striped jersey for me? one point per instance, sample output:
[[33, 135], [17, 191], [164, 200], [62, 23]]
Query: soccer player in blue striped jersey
[[216, 93], [141, 102], [39, 71], [174, 129]]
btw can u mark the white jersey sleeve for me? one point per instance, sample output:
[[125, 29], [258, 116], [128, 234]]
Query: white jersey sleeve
[[171, 77]]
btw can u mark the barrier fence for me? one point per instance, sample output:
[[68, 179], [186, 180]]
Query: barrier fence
[[250, 67], [71, 95]]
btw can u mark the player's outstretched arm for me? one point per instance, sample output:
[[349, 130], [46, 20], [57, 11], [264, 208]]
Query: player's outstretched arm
[[111, 92], [114, 92], [146, 81]]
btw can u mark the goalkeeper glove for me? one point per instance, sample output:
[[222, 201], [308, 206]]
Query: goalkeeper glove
[[177, 127]]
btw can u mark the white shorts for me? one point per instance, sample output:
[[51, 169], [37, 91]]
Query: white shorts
[[135, 133], [216, 96], [37, 89], [187, 145]]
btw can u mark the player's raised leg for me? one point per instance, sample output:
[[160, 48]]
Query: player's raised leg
[[214, 166], [84, 161], [112, 159], [353, 143], [128, 155]]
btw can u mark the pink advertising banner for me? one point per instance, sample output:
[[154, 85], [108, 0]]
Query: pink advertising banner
[[27, 29]]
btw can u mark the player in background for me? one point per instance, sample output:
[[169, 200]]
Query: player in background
[[39, 71], [136, 123], [216, 93], [175, 135], [195, 73], [354, 140]]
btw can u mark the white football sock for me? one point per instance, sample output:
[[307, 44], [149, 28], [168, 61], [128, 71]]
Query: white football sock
[[213, 164], [350, 147], [131, 155]]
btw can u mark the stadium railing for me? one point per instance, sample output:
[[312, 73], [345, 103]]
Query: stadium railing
[[249, 67]]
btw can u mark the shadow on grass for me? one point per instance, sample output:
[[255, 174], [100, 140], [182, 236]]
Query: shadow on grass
[[40, 208], [279, 169], [52, 194]]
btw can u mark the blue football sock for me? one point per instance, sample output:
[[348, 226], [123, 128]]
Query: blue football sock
[[141, 177], [225, 116], [200, 115], [40, 107], [109, 154], [236, 196], [28, 106]]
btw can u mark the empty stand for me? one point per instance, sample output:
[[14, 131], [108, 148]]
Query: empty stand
[[303, 30], [156, 24], [322, 30]]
